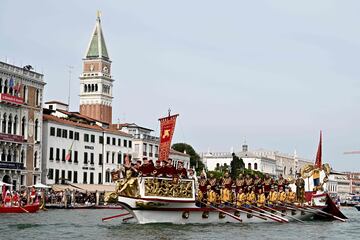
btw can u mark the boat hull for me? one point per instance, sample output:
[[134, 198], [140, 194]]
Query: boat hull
[[26, 209]]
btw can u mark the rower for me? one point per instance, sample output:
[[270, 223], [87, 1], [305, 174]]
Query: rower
[[211, 196], [272, 197], [282, 195], [7, 199], [261, 199], [251, 197], [290, 196], [181, 171], [240, 198], [32, 195]]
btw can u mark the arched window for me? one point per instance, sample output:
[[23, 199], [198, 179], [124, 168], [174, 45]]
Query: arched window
[[37, 97], [35, 159], [23, 122], [285, 170], [22, 156], [25, 93], [10, 124], [15, 124], [15, 156], [6, 86], [92, 88], [3, 155], [4, 123], [9, 156], [255, 166], [249, 165], [36, 130], [11, 91]]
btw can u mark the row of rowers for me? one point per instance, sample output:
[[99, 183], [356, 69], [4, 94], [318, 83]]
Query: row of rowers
[[244, 183], [146, 168]]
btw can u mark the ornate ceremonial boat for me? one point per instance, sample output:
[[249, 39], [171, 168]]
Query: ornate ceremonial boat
[[17, 209], [163, 200]]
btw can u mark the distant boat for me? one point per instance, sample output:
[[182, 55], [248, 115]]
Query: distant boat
[[17, 209]]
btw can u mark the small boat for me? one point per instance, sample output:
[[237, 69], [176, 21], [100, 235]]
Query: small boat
[[17, 209]]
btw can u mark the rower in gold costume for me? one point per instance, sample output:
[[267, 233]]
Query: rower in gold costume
[[211, 196], [225, 195], [241, 198], [272, 197], [261, 199], [282, 195], [290, 196], [251, 197]]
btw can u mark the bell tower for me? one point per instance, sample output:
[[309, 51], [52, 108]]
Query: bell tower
[[95, 81]]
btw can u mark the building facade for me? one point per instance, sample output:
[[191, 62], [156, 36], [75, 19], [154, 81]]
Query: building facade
[[271, 162], [94, 151], [21, 91]]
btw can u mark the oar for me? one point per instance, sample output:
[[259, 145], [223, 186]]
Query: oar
[[116, 216], [271, 214], [24, 209], [294, 207], [325, 213], [296, 219], [222, 211], [247, 212]]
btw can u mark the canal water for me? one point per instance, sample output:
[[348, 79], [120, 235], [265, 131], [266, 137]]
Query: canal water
[[86, 224]]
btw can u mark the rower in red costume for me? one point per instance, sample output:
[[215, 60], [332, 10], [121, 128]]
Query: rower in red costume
[[32, 195], [226, 181], [170, 170], [15, 199], [181, 171], [239, 184], [7, 199], [203, 183], [213, 182], [146, 168], [158, 169], [267, 183]]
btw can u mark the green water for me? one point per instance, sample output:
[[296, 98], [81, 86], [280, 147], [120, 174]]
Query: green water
[[86, 224]]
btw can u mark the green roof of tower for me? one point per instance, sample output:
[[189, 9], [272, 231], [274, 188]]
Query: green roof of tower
[[97, 47]]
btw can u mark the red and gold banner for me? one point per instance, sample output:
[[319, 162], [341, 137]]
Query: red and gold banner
[[167, 128]]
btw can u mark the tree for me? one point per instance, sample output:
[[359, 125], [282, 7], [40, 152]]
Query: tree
[[237, 165], [194, 157]]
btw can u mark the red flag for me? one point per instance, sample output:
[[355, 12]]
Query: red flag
[[318, 161], [167, 127]]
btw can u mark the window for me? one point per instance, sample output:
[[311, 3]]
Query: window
[[101, 139], [70, 155], [119, 158], [125, 143], [113, 141], [92, 138], [57, 175], [63, 155], [75, 177], [57, 154], [91, 178], [75, 156], [51, 154], [85, 157], [69, 175], [144, 149], [100, 159], [119, 142], [51, 174], [107, 176], [86, 137], [85, 177], [156, 150], [99, 180], [249, 165], [92, 158], [71, 134], [77, 137], [150, 150], [58, 132], [107, 157], [51, 107], [108, 140], [137, 147], [52, 131], [35, 159], [62, 176], [64, 133], [113, 158], [130, 144], [255, 166]]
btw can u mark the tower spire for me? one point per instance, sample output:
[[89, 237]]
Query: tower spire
[[97, 47]]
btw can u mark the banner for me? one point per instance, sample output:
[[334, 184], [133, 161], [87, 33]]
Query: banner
[[318, 161], [167, 128]]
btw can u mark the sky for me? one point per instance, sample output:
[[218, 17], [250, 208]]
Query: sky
[[272, 72]]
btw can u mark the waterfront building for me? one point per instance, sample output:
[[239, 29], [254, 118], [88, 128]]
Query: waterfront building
[[21, 91], [272, 162], [147, 145], [78, 149]]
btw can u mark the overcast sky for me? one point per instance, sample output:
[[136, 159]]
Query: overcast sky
[[273, 72]]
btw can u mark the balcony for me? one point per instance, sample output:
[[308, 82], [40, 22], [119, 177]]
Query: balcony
[[12, 165], [11, 138]]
